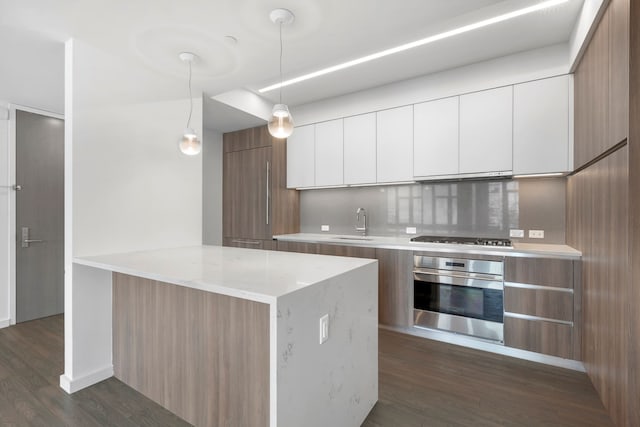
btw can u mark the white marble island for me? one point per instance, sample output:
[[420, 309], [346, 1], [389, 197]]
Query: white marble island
[[229, 336]]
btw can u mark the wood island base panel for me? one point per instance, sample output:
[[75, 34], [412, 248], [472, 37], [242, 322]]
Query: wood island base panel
[[229, 337], [169, 343]]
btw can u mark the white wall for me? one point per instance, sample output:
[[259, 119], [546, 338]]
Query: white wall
[[132, 187], [520, 67], [5, 239], [32, 71], [127, 188], [212, 188]]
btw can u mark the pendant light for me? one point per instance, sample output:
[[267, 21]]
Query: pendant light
[[281, 122], [189, 144]]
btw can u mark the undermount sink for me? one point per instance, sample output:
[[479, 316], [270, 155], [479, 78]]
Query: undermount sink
[[353, 238]]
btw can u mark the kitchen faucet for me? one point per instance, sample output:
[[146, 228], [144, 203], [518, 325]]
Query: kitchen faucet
[[362, 229]]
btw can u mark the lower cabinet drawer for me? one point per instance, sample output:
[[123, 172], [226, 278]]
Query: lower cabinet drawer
[[303, 247], [539, 302], [349, 251], [249, 243], [540, 336]]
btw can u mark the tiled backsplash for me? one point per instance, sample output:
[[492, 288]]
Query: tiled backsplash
[[464, 208]]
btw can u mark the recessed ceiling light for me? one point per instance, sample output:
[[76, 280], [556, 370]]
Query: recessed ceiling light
[[440, 36]]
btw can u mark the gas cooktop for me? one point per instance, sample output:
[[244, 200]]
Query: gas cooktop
[[463, 240]]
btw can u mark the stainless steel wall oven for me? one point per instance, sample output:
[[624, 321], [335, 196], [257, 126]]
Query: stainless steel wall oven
[[459, 295]]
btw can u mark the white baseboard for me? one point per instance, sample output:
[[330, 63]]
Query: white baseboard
[[4, 323], [72, 385]]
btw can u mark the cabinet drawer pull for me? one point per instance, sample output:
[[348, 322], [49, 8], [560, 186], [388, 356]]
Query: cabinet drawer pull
[[247, 242], [537, 318]]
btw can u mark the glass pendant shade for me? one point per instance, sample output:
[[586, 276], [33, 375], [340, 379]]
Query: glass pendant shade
[[189, 143], [281, 122]]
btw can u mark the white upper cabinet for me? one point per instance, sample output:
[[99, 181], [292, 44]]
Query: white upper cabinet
[[360, 149], [435, 138], [519, 129], [329, 153], [486, 131], [395, 144], [301, 157], [541, 126]]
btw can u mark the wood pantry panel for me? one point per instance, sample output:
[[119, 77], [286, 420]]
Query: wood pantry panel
[[285, 203], [598, 207], [203, 356], [247, 139], [395, 287], [539, 271], [619, 70], [245, 194], [634, 190], [254, 162], [535, 335], [591, 90], [545, 303]]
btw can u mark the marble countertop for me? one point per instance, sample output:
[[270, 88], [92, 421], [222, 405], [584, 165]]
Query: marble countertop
[[252, 274], [404, 243]]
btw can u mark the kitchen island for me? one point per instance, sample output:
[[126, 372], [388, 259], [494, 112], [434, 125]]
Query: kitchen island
[[228, 336]]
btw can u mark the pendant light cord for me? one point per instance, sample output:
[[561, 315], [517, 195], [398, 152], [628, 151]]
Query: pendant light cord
[[190, 98], [281, 62]]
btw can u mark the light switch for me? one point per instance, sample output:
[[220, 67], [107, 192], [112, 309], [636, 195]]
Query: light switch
[[411, 230], [324, 328], [324, 228]]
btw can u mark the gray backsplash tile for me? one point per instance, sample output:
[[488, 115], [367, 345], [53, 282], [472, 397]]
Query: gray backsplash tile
[[465, 208]]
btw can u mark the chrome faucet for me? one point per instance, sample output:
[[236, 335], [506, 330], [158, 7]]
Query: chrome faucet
[[362, 229]]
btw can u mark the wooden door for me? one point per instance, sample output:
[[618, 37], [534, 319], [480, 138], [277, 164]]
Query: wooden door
[[247, 212]]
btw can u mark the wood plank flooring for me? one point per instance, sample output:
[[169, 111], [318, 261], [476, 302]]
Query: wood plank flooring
[[427, 383], [31, 361], [422, 383]]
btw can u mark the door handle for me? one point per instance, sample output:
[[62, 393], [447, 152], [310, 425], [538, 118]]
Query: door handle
[[26, 241]]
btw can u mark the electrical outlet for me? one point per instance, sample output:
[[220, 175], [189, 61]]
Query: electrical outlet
[[411, 230], [536, 234], [516, 233], [324, 228], [324, 328]]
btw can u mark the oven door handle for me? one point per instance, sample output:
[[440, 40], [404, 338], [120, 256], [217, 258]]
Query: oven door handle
[[458, 280], [465, 275]]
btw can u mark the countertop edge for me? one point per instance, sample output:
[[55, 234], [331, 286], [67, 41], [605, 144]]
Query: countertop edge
[[426, 247], [193, 284]]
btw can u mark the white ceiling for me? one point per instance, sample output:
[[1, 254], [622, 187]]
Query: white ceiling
[[149, 34]]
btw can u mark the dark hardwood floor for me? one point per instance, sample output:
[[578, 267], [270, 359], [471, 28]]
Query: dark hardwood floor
[[422, 384], [427, 383], [31, 361]]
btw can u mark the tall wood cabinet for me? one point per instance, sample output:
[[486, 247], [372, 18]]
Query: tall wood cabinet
[[256, 203]]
